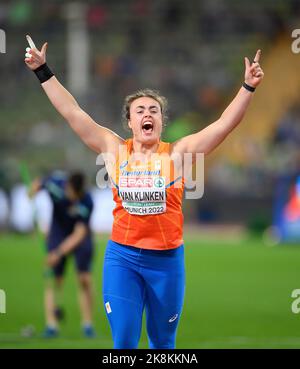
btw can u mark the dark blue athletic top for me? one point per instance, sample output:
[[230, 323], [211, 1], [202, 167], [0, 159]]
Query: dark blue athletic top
[[66, 213]]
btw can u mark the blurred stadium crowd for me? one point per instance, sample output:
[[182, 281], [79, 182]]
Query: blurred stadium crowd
[[191, 51]]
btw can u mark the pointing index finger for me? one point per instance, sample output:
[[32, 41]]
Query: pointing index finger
[[31, 43], [257, 56]]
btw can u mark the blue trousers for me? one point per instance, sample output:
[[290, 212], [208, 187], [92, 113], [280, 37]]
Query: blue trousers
[[135, 279]]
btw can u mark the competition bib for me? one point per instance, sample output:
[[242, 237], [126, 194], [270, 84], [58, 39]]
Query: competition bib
[[143, 195]]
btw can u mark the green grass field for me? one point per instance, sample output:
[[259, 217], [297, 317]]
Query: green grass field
[[238, 295]]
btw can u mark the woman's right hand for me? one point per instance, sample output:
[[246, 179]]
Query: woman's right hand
[[37, 58]]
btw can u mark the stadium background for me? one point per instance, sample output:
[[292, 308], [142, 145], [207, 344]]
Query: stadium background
[[238, 286]]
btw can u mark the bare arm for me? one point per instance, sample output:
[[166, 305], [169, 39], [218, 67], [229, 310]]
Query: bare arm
[[210, 137], [69, 244], [96, 137], [72, 241]]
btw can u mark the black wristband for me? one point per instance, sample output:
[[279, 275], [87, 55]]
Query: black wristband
[[43, 73], [249, 88]]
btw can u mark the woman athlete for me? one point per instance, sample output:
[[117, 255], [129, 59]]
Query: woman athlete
[[144, 259]]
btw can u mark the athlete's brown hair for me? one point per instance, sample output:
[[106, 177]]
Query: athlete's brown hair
[[163, 102]]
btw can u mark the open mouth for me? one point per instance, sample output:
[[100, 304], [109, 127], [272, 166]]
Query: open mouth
[[147, 127]]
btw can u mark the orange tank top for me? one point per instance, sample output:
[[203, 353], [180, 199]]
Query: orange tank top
[[148, 197]]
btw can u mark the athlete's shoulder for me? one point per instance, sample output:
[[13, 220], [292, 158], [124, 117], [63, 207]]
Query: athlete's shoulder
[[55, 184], [59, 177], [164, 147], [129, 142]]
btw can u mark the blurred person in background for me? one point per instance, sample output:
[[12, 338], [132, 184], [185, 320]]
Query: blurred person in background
[[69, 234], [144, 260], [4, 209]]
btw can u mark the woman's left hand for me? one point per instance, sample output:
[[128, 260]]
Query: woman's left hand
[[253, 72]]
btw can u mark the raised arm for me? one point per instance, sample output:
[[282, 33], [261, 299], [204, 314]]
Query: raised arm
[[96, 137], [206, 140]]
